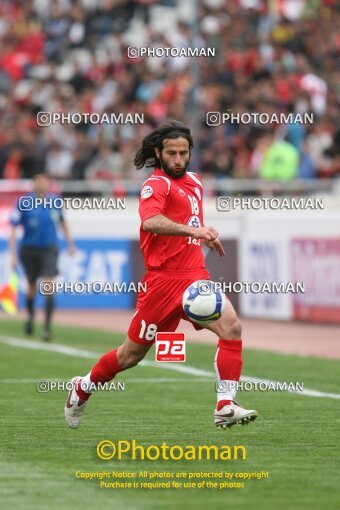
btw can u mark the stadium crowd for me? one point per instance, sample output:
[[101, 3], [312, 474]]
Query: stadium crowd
[[71, 56]]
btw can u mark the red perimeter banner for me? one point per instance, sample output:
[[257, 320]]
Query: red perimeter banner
[[316, 262]]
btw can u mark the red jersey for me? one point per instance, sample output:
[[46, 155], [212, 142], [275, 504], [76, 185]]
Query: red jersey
[[180, 200]]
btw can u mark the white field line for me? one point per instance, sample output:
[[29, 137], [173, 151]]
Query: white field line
[[128, 381], [184, 369]]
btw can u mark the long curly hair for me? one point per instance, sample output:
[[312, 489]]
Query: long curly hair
[[146, 156]]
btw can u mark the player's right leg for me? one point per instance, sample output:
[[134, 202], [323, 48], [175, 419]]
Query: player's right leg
[[127, 355]]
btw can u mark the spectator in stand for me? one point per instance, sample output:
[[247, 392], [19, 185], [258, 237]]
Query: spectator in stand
[[307, 168], [105, 164], [280, 162], [59, 162], [12, 169], [71, 56]]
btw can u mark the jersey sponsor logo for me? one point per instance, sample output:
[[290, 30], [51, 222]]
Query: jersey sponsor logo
[[198, 193], [194, 221], [146, 192]]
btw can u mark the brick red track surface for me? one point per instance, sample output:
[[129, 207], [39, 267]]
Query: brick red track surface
[[305, 339]]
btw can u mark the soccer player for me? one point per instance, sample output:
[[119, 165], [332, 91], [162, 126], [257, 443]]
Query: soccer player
[[39, 245], [171, 233]]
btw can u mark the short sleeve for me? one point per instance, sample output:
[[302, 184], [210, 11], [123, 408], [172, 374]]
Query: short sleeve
[[153, 197]]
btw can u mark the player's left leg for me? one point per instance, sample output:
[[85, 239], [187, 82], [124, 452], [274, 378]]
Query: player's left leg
[[127, 355], [228, 367]]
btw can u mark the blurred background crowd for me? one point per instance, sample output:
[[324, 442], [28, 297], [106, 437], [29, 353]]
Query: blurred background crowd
[[71, 56]]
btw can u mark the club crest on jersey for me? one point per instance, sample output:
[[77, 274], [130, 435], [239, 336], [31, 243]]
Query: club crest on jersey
[[146, 192], [194, 221], [182, 193]]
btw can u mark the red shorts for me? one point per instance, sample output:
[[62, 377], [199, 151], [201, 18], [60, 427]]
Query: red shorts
[[160, 307]]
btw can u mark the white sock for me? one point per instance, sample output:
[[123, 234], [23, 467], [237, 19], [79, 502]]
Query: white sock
[[226, 390], [86, 383]]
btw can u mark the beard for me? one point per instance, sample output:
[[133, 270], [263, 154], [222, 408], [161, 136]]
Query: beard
[[174, 173]]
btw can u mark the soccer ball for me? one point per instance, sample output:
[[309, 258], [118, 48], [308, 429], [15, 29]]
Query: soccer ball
[[203, 302]]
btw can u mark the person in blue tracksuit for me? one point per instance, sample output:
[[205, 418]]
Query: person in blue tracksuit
[[38, 249]]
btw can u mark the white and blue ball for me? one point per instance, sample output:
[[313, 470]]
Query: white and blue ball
[[203, 302]]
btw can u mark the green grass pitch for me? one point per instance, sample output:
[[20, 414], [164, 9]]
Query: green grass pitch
[[295, 437]]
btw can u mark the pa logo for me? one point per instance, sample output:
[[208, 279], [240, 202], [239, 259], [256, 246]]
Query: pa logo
[[170, 347]]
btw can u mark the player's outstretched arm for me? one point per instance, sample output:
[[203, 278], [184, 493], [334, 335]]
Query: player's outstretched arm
[[162, 225]]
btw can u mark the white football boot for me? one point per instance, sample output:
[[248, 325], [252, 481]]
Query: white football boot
[[74, 407], [233, 414]]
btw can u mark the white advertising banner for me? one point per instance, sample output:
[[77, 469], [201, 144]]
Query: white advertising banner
[[264, 264]]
